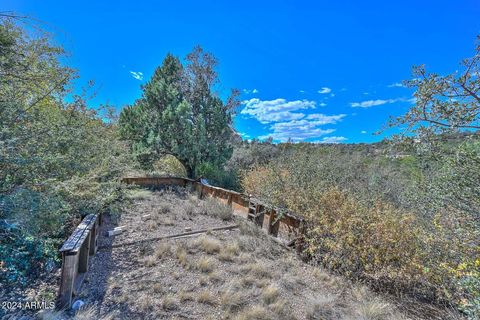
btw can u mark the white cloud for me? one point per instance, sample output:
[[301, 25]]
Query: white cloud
[[396, 85], [287, 119], [250, 91], [299, 130], [363, 132], [137, 75], [332, 139], [324, 90], [322, 104], [301, 91], [321, 118], [372, 103], [267, 111]]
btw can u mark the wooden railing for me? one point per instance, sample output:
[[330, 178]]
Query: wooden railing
[[83, 242], [75, 252], [277, 222]]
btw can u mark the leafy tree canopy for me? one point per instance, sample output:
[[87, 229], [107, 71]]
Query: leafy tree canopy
[[181, 114], [444, 103]]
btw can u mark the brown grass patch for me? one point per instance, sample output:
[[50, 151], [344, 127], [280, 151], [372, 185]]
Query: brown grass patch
[[270, 294], [206, 297], [209, 245]]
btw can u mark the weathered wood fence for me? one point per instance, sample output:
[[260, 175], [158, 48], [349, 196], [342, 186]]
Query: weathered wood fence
[[83, 242], [277, 222], [75, 252]]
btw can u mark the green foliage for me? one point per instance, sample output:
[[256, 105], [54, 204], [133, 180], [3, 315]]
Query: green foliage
[[444, 103], [394, 220], [179, 114], [58, 159], [218, 176]]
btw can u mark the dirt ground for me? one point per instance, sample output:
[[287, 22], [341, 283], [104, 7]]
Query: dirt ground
[[230, 274], [236, 274]]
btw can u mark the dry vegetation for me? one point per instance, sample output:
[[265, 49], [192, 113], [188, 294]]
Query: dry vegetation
[[238, 274]]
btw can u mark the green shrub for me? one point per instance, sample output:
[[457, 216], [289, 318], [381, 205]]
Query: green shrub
[[392, 222]]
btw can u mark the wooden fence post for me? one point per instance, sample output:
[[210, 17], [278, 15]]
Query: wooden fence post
[[83, 256], [69, 273], [273, 225]]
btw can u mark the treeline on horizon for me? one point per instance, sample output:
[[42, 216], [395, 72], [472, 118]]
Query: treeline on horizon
[[401, 216]]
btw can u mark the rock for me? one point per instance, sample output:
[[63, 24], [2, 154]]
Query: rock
[[77, 305], [114, 232], [188, 229]]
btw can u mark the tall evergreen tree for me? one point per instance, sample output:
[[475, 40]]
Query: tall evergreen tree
[[180, 114]]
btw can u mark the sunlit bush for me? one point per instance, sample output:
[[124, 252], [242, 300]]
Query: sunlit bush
[[377, 226]]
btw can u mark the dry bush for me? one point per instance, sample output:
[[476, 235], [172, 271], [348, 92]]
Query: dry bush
[[281, 310], [206, 297], [209, 245], [255, 313], [167, 222], [163, 249], [205, 264], [90, 313], [248, 281], [181, 255], [216, 209], [374, 309], [157, 287], [150, 261], [384, 235], [259, 270], [228, 252], [169, 303], [270, 294], [151, 225], [324, 307], [233, 299], [164, 208], [185, 296], [145, 302], [215, 277]]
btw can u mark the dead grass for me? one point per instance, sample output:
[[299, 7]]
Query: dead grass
[[163, 208], [255, 313], [209, 245], [281, 310], [228, 252], [145, 303], [150, 261], [167, 222], [90, 313], [258, 269], [205, 264], [217, 209], [232, 300], [157, 287], [270, 294], [164, 249], [139, 194], [374, 309], [169, 303], [324, 307], [181, 255], [206, 297], [186, 296], [216, 277], [228, 275]]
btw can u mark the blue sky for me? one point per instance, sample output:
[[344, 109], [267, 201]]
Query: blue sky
[[308, 70]]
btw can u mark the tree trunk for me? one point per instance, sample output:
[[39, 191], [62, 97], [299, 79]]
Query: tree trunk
[[190, 172]]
